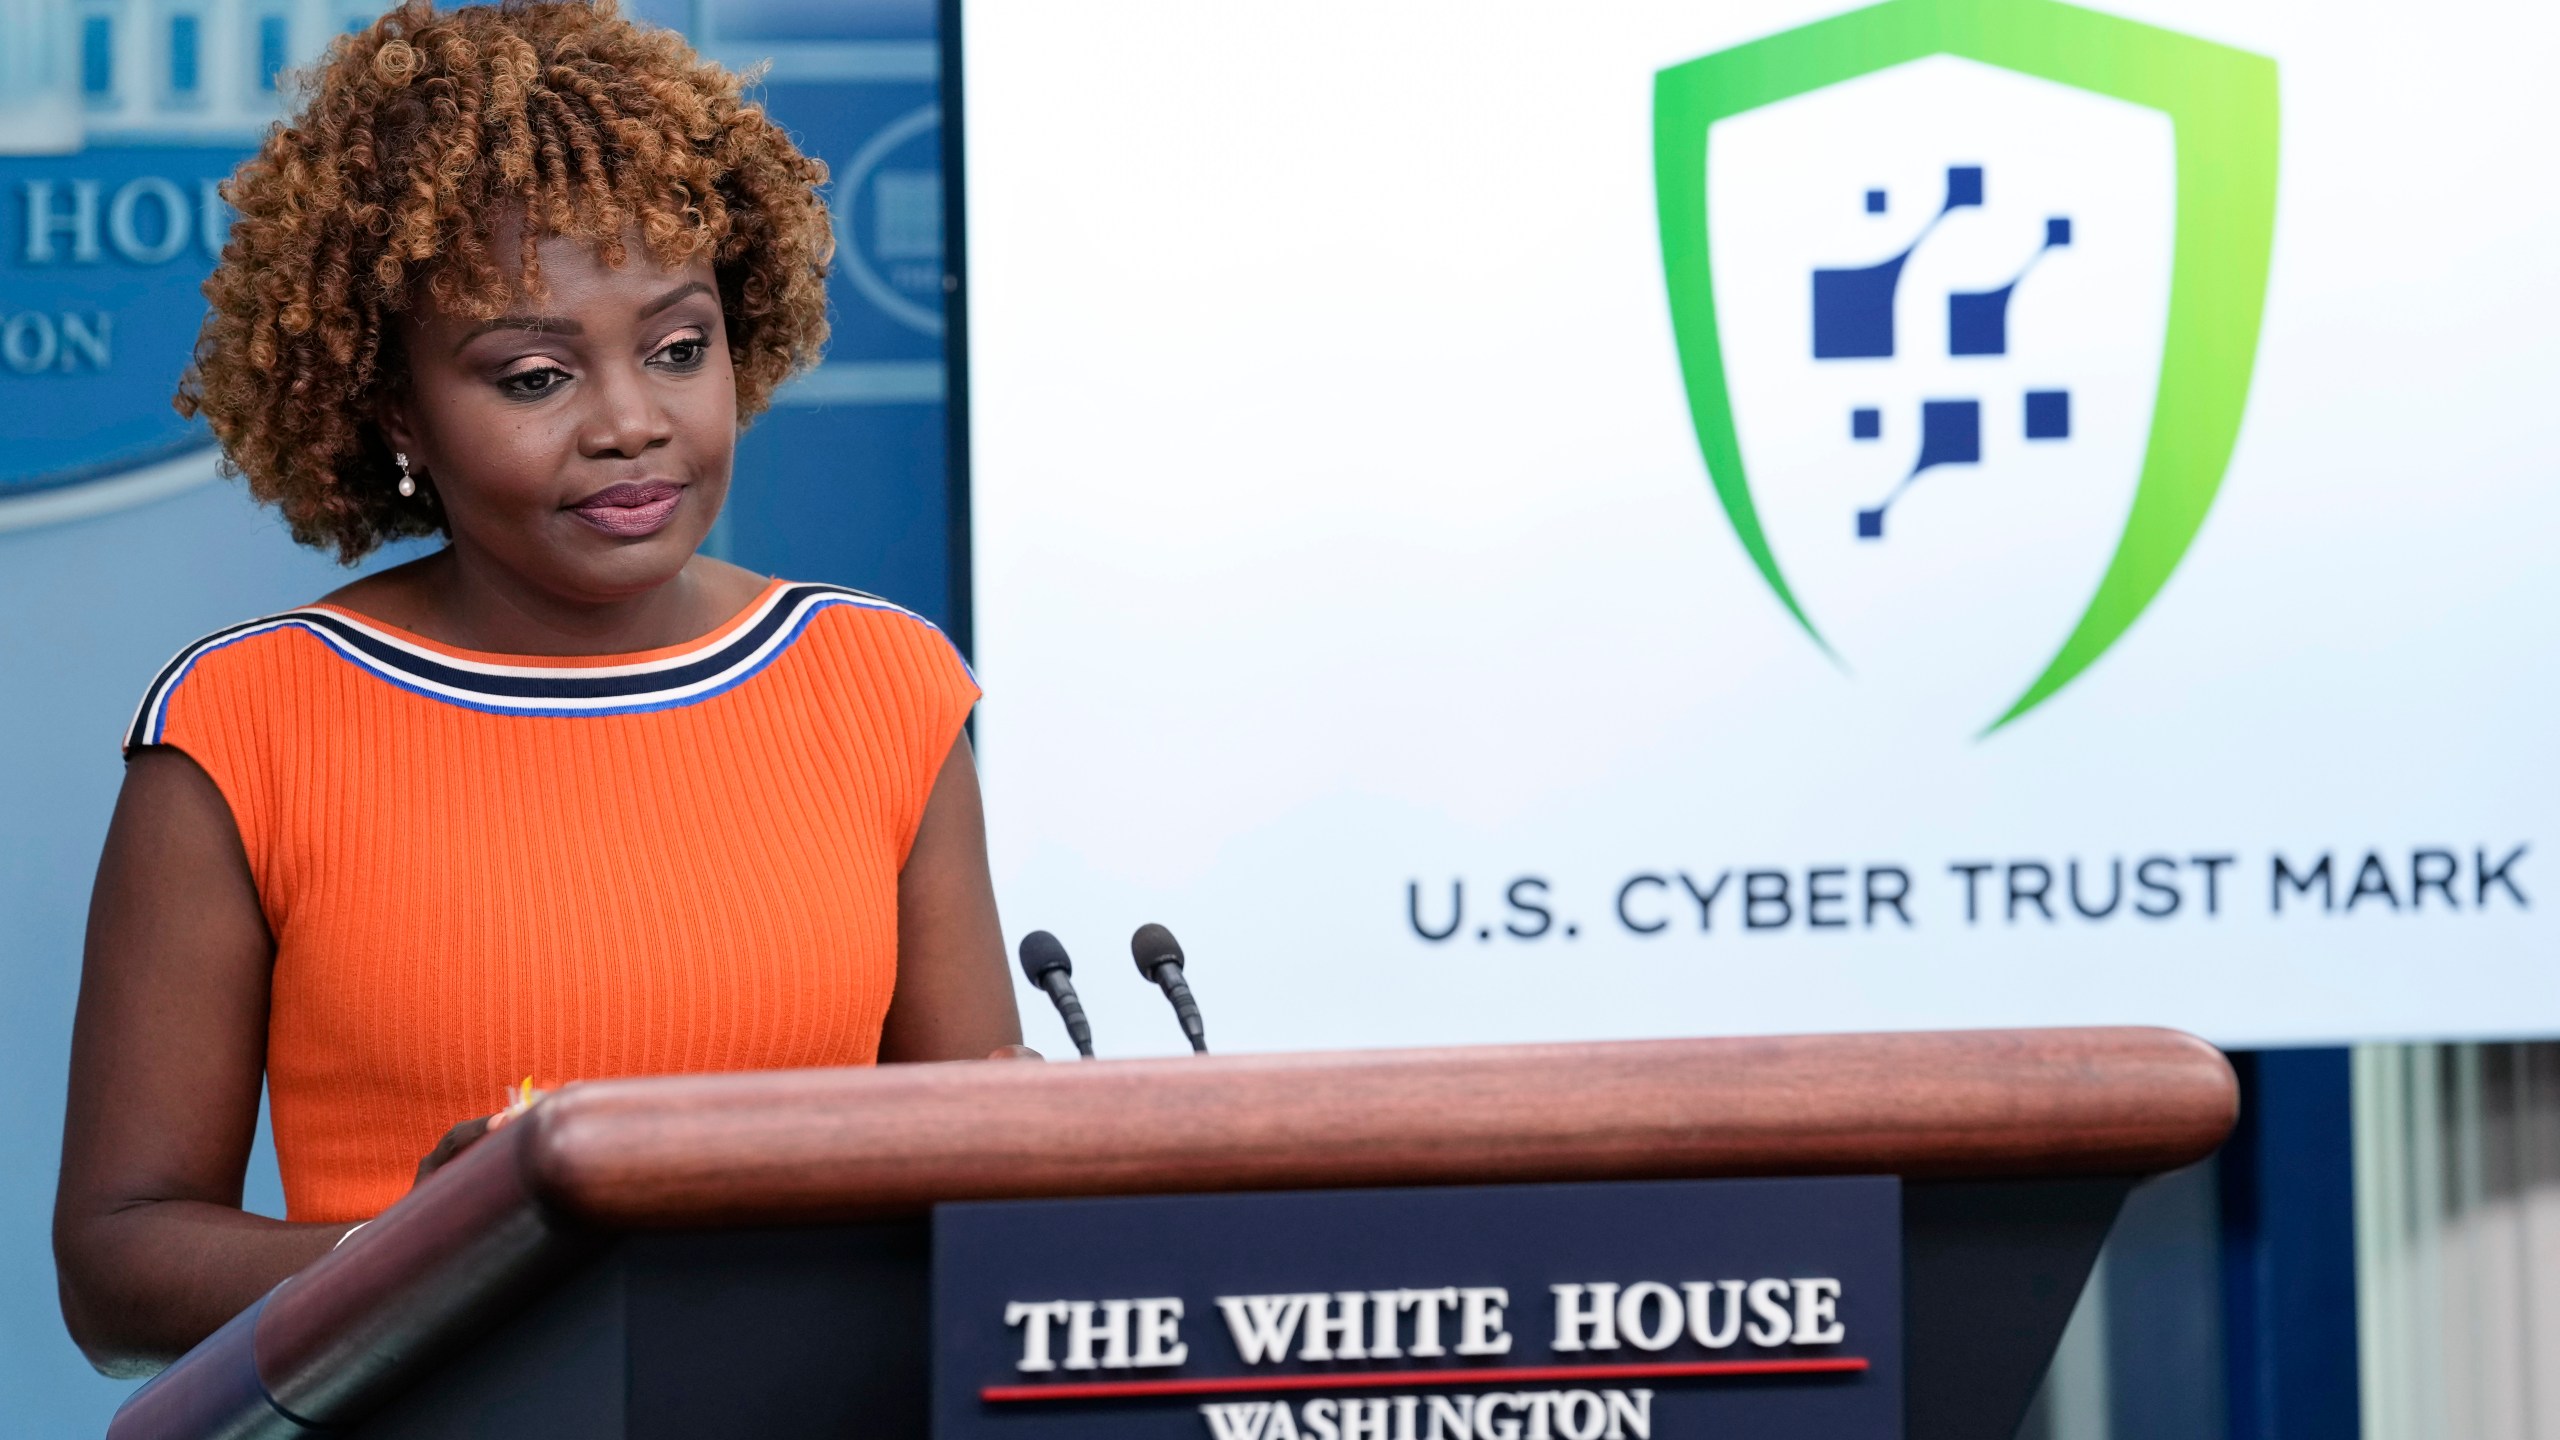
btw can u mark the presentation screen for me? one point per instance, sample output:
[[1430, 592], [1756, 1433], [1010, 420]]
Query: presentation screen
[[1529, 522]]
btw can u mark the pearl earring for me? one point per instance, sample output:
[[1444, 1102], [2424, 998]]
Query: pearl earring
[[408, 486]]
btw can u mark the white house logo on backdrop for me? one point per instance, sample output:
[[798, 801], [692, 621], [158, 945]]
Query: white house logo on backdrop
[[118, 120], [888, 216], [1967, 296]]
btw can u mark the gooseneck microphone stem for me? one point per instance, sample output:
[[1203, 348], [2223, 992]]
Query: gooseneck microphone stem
[[1159, 958], [1062, 993], [1185, 1009]]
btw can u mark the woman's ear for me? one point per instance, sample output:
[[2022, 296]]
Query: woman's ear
[[397, 431]]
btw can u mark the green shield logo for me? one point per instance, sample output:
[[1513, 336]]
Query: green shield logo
[[2221, 107]]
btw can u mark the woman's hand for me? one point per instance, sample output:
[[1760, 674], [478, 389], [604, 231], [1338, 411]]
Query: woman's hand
[[1015, 1052], [469, 1133], [456, 1140]]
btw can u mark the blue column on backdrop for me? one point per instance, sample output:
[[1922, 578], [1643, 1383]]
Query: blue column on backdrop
[[844, 480], [2289, 1250]]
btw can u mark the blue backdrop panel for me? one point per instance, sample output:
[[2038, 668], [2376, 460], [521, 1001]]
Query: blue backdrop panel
[[850, 495], [844, 480]]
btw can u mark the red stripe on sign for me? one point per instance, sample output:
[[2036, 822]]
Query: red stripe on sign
[[1377, 1379]]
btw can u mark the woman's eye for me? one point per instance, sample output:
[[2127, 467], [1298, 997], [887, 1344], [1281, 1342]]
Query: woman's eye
[[532, 384], [686, 353]]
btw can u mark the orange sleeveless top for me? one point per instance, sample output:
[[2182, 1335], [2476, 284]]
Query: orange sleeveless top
[[481, 867]]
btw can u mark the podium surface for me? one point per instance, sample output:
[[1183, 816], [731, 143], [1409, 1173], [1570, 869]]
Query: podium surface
[[749, 1254]]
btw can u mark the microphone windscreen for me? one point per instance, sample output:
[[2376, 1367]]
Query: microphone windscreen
[[1152, 946], [1041, 953]]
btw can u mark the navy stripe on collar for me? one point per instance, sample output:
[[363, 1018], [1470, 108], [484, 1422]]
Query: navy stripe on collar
[[531, 688]]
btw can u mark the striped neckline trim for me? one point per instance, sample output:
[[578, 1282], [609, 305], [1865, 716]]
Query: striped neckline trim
[[681, 676]]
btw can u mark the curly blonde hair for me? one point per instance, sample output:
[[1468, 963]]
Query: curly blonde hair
[[418, 137]]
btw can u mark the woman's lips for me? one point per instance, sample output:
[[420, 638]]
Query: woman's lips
[[628, 510]]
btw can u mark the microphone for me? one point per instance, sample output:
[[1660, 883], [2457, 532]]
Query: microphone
[[1045, 964], [1159, 958]]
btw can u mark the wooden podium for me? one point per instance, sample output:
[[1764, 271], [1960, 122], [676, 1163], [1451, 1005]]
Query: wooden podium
[[748, 1255]]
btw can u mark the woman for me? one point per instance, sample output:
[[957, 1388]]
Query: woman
[[564, 799]]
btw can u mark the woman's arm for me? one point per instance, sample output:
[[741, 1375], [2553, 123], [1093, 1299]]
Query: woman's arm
[[167, 1055], [169, 1049], [954, 999]]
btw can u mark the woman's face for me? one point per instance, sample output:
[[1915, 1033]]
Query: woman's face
[[581, 442]]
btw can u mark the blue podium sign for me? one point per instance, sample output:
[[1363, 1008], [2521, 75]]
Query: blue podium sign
[[1769, 1308]]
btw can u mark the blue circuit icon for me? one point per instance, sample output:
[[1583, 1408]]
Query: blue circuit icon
[[1853, 319]]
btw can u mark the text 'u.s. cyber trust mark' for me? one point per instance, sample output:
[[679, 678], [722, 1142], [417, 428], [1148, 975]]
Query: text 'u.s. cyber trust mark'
[[2202, 886]]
